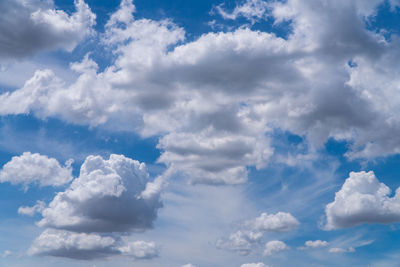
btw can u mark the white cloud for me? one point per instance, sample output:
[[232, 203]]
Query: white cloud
[[275, 246], [30, 211], [27, 27], [316, 244], [260, 264], [35, 168], [241, 241], [279, 222], [342, 250], [252, 10], [60, 243], [188, 265], [362, 199], [106, 197], [183, 92]]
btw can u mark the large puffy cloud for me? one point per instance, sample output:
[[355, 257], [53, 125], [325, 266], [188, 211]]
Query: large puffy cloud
[[106, 197], [91, 218], [35, 168], [232, 89], [27, 27], [362, 199]]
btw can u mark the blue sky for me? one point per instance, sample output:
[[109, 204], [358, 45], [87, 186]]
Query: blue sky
[[180, 133]]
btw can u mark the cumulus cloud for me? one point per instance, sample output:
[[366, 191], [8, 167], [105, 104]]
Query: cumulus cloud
[[279, 222], [27, 27], [106, 197], [60, 243], [99, 208], [275, 246], [243, 241], [36, 169], [214, 121], [362, 199]]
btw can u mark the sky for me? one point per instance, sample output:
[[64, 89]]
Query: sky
[[199, 133]]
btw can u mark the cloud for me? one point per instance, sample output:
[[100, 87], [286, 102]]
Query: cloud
[[260, 264], [215, 122], [252, 10], [342, 250], [188, 265], [241, 242], [5, 254], [92, 217], [279, 222], [106, 197], [314, 244], [250, 235], [36, 169], [30, 211], [28, 27], [60, 243], [362, 199], [275, 246]]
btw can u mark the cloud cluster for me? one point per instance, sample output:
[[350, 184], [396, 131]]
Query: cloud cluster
[[27, 27], [244, 240], [215, 100], [99, 207], [260, 264], [252, 10], [36, 169], [362, 199]]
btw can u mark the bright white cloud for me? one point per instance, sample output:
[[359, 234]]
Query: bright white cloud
[[36, 169], [279, 222], [362, 199], [106, 197], [275, 246], [27, 27]]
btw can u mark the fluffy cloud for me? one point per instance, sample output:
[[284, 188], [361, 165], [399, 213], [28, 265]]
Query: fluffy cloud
[[275, 246], [109, 199], [35, 168], [188, 265], [30, 211], [316, 244], [362, 199], [279, 222], [243, 241], [106, 197], [214, 121], [61, 243], [27, 27]]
